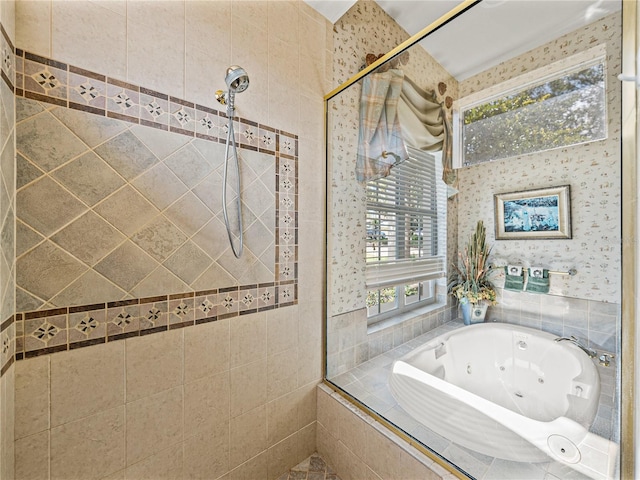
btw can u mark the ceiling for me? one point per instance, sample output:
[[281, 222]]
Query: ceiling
[[487, 34]]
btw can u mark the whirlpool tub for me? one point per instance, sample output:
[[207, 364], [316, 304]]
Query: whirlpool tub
[[509, 392]]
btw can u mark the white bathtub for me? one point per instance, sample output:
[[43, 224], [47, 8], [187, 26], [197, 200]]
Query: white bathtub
[[509, 392]]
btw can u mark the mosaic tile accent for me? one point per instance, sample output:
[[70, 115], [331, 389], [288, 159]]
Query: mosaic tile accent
[[312, 468], [8, 65], [181, 310], [60, 329], [7, 343], [39, 332]]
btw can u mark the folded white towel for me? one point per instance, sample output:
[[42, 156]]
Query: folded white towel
[[514, 270], [537, 272]]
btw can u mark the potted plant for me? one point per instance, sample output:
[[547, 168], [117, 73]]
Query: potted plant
[[469, 281]]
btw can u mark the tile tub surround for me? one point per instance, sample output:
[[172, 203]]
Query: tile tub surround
[[351, 342], [153, 222], [359, 447], [368, 383]]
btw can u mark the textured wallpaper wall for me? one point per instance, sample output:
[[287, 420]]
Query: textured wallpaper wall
[[592, 170], [364, 29]]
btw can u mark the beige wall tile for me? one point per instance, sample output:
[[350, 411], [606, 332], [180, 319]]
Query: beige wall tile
[[97, 43], [250, 50], [307, 440], [92, 447], [32, 457], [199, 17], [248, 387], [253, 469], [350, 466], [206, 455], [284, 106], [328, 414], [284, 64], [283, 455], [282, 417], [282, 373], [248, 436], [8, 18], [310, 322], [165, 465], [155, 57], [86, 381], [284, 13], [248, 339], [164, 15], [311, 120], [33, 26], [206, 402], [253, 11], [206, 350], [119, 475], [154, 424], [204, 73], [307, 404], [353, 432], [309, 362], [282, 328], [312, 75], [31, 396], [326, 444], [154, 363], [7, 424]]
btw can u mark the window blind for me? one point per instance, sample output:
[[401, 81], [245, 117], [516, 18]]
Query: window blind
[[406, 223]]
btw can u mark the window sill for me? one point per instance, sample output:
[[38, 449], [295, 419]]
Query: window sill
[[403, 317]]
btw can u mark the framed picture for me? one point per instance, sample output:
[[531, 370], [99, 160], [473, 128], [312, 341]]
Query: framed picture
[[533, 214]]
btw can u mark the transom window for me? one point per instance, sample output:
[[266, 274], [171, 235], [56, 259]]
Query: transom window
[[542, 111], [406, 235]]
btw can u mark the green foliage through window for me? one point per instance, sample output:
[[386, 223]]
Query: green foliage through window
[[562, 111]]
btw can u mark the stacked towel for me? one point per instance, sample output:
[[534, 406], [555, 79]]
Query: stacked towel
[[514, 280], [538, 281]]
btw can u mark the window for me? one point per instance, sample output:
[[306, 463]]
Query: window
[[545, 109], [406, 235]]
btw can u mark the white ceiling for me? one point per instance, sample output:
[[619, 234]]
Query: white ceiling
[[487, 34]]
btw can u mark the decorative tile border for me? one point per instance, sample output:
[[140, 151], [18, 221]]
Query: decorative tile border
[[48, 331], [47, 80], [7, 50], [41, 332], [7, 326]]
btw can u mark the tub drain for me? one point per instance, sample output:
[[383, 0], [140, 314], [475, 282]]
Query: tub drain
[[519, 395]]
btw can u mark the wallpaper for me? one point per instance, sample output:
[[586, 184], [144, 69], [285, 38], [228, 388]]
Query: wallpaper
[[364, 29], [592, 170]]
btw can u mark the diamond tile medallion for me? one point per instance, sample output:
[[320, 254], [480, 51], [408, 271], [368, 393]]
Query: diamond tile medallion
[[119, 186]]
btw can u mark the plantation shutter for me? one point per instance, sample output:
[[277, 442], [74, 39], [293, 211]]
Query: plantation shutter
[[406, 214]]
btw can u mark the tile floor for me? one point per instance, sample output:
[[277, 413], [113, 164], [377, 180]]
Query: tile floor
[[313, 468], [368, 383]]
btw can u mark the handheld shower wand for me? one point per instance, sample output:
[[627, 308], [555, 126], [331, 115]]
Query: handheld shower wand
[[237, 81]]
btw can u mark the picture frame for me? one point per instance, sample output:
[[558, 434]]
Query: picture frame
[[540, 214]]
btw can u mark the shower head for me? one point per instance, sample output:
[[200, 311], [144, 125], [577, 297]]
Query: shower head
[[237, 79]]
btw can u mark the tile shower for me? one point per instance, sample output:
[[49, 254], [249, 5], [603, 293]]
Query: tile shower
[[136, 346]]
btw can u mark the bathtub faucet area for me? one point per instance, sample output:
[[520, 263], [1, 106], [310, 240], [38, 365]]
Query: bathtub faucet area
[[589, 351]]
